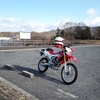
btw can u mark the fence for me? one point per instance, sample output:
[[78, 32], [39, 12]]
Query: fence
[[43, 42], [25, 42]]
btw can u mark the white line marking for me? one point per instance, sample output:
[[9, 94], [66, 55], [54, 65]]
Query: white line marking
[[69, 94]]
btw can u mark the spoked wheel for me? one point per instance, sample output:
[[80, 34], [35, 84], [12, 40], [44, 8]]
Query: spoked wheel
[[42, 67], [69, 76]]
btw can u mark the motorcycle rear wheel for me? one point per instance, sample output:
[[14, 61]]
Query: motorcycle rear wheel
[[43, 68], [70, 76]]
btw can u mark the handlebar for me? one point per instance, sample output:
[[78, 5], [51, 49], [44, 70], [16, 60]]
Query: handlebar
[[68, 45]]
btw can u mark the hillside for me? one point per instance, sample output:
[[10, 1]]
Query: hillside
[[73, 32]]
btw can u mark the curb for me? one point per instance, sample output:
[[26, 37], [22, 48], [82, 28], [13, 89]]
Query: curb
[[3, 50], [31, 97]]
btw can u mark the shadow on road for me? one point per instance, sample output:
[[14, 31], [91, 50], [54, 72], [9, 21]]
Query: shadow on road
[[37, 73]]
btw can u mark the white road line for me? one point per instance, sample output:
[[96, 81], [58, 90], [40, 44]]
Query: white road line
[[69, 94]]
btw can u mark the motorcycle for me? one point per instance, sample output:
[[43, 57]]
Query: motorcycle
[[69, 72]]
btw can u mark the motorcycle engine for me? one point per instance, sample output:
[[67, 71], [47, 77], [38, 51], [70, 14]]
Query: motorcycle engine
[[54, 60], [54, 64]]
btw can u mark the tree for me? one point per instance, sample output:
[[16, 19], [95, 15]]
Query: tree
[[82, 33], [98, 33], [87, 33], [62, 33], [69, 28], [58, 32], [78, 32]]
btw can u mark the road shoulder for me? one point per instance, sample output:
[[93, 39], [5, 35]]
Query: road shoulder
[[9, 91]]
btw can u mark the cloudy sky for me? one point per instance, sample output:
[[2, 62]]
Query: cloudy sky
[[45, 15]]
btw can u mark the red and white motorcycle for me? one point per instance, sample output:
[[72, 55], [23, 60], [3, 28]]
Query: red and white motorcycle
[[69, 72]]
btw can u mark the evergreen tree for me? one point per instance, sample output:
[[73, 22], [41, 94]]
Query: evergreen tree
[[98, 33], [82, 33]]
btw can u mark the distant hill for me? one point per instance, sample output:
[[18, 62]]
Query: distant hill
[[46, 34]]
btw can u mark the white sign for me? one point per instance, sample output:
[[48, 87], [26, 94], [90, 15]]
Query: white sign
[[25, 35]]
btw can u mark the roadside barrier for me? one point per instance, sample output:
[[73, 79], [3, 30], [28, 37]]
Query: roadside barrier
[[43, 42]]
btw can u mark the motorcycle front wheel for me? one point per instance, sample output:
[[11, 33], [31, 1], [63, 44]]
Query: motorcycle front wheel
[[69, 76], [41, 65]]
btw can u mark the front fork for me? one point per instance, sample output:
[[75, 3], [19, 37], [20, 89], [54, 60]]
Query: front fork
[[65, 62]]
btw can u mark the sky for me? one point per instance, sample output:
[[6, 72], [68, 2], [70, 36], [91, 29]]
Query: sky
[[46, 15]]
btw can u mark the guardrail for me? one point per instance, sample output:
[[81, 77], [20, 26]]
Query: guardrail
[[25, 42], [43, 42]]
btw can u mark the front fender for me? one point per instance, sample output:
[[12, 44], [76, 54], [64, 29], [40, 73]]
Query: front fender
[[72, 57]]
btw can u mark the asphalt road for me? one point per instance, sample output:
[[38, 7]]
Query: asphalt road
[[49, 86]]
